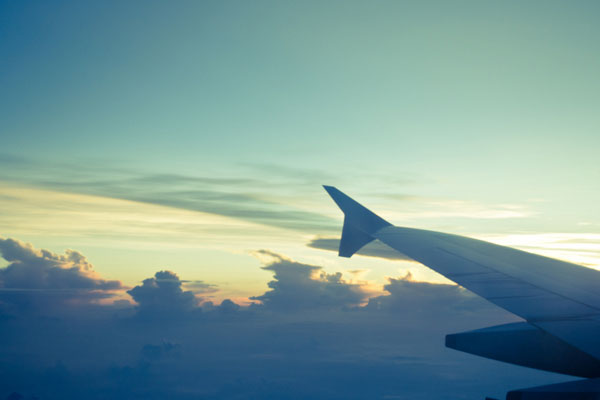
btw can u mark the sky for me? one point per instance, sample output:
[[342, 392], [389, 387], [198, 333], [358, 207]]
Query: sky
[[194, 137]]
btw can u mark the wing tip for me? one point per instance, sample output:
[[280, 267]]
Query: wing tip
[[359, 222], [330, 189]]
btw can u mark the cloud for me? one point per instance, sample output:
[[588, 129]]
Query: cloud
[[162, 296], [579, 248], [409, 296], [248, 199], [301, 286], [199, 287], [373, 249], [327, 353], [309, 338], [40, 280], [228, 306], [152, 352]]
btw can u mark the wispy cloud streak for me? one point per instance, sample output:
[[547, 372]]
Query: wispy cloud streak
[[248, 199]]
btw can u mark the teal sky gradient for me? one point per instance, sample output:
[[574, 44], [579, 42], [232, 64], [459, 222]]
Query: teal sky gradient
[[411, 107]]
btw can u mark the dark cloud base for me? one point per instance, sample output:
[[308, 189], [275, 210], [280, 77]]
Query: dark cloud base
[[39, 281], [329, 355], [309, 337]]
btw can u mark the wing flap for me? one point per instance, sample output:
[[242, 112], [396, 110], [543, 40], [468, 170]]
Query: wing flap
[[524, 344], [583, 333]]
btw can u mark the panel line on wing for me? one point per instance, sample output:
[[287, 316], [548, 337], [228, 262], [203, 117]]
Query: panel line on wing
[[557, 306]]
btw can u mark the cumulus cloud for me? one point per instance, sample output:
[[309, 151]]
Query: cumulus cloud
[[163, 296], [409, 296], [40, 278], [228, 306], [301, 286]]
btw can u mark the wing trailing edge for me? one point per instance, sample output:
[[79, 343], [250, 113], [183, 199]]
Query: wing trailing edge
[[524, 344], [587, 389]]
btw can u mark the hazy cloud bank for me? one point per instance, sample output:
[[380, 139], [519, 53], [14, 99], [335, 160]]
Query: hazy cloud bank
[[308, 336]]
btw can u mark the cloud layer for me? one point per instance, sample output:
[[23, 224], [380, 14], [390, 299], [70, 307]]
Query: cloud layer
[[310, 335]]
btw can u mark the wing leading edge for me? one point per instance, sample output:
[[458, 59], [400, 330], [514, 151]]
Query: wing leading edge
[[557, 297]]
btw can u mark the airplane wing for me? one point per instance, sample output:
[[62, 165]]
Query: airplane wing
[[558, 298]]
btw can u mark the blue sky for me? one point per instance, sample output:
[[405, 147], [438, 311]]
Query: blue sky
[[464, 95], [200, 85], [438, 115], [195, 136]]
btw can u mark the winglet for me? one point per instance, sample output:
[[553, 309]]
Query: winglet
[[359, 223]]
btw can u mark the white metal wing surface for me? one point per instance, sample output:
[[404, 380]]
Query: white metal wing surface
[[558, 298]]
